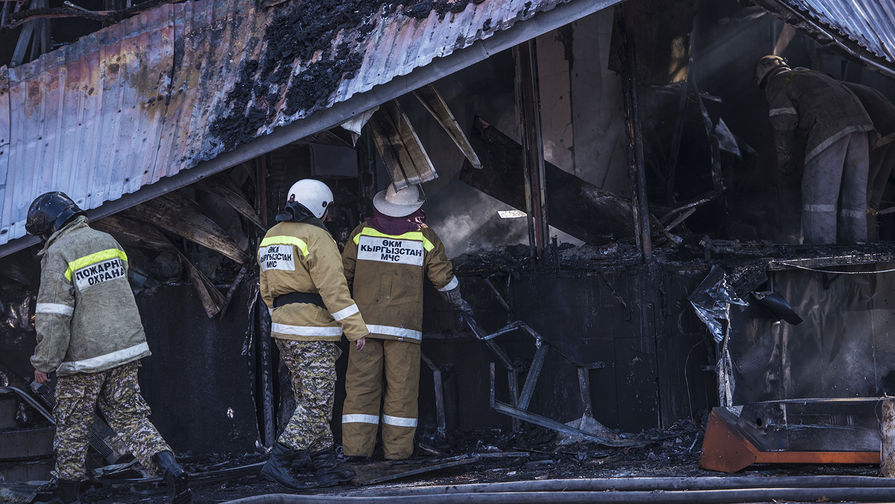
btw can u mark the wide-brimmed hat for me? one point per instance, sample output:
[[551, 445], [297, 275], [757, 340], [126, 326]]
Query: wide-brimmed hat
[[399, 203]]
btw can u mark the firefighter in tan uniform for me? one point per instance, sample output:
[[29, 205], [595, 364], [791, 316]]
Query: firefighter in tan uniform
[[386, 259], [90, 334], [303, 285]]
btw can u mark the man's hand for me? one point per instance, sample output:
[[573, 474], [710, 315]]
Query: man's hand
[[40, 377], [360, 344]]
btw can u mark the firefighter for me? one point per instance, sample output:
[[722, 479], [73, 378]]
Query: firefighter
[[819, 123], [882, 152], [385, 260], [90, 334], [303, 285]]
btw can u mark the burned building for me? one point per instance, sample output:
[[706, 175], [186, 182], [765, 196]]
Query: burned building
[[602, 174]]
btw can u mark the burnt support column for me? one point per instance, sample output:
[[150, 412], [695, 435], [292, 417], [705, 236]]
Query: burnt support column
[[634, 130], [262, 319], [648, 277], [528, 110]]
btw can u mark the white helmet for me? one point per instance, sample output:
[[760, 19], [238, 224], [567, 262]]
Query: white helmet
[[311, 194], [398, 203]]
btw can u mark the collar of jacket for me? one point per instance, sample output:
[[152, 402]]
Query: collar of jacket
[[396, 225], [296, 212], [76, 223]]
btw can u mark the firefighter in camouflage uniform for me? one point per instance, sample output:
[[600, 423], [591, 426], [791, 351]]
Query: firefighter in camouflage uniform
[[90, 334], [386, 259], [303, 285]]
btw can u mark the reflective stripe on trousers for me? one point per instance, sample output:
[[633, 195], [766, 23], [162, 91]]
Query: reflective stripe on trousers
[[360, 418], [399, 361]]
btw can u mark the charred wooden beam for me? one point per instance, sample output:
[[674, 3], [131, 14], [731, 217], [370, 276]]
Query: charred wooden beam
[[180, 215], [433, 102], [231, 196], [136, 233], [528, 110], [212, 299], [634, 130], [400, 147], [586, 211]]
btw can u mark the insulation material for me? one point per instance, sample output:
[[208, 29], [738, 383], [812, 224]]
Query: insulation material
[[357, 123], [400, 147]]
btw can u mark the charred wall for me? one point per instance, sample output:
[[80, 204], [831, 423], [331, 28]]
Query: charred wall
[[200, 379], [590, 318]]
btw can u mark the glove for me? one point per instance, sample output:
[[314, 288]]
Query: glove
[[454, 297]]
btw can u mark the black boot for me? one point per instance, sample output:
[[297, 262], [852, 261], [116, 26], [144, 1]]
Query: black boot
[[71, 491], [329, 472], [278, 467], [59, 491], [301, 462], [176, 479]]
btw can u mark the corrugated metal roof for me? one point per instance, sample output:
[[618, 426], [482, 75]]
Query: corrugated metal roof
[[165, 91], [866, 28]]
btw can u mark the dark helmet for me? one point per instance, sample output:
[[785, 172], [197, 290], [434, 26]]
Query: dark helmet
[[768, 65], [49, 212]]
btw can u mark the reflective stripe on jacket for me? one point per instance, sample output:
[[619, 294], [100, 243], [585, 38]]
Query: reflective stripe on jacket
[[387, 274], [300, 257], [86, 317], [816, 106]]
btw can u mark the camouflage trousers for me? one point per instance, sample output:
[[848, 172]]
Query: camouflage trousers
[[116, 393], [312, 367]]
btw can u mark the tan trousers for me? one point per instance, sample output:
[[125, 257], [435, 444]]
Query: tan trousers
[[363, 387]]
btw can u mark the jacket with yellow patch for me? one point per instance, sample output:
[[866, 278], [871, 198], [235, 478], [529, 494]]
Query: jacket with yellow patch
[[387, 273], [301, 257], [86, 318]]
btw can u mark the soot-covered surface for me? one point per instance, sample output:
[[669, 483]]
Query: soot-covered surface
[[309, 48], [532, 454]]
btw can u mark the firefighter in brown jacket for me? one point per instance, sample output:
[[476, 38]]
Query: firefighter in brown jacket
[[820, 124], [303, 285], [882, 149], [385, 259]]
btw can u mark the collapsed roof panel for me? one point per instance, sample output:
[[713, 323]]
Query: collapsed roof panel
[[160, 97], [864, 28]]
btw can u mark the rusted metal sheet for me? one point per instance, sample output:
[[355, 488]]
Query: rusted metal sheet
[[729, 446], [178, 86]]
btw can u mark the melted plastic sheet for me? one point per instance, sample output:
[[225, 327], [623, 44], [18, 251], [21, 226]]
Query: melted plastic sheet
[[711, 300], [844, 348]]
